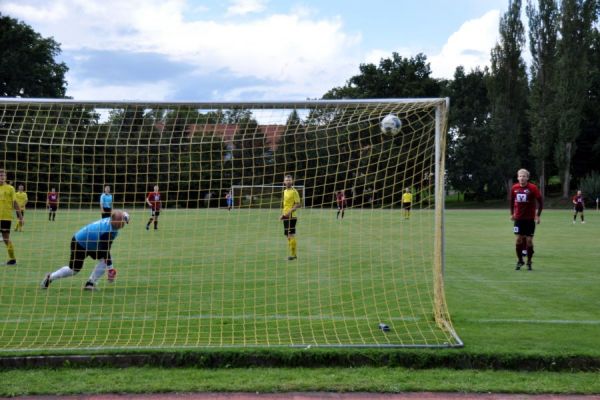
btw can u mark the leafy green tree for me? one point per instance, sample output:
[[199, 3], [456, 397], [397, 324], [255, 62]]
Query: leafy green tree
[[470, 165], [393, 77], [576, 21], [28, 66], [543, 36], [508, 90]]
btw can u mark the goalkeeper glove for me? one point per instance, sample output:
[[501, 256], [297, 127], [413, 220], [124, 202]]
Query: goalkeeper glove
[[111, 275]]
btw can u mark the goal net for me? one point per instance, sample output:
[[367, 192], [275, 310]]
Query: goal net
[[368, 271]]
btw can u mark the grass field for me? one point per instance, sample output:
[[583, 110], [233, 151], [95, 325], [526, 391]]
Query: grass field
[[216, 278], [499, 312]]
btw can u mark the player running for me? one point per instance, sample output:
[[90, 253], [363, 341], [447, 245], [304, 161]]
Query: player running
[[22, 200], [106, 202], [291, 202], [52, 204], [578, 206], [340, 198], [153, 200], [8, 203], [523, 212], [93, 240]]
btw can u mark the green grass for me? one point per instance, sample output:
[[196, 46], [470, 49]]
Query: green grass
[[499, 312], [153, 380], [216, 278]]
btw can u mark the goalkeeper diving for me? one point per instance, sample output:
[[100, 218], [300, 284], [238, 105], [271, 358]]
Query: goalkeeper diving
[[93, 240]]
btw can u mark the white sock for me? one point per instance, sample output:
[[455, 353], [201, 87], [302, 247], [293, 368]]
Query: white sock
[[98, 271], [63, 272]]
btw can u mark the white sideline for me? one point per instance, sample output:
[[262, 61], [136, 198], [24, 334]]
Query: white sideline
[[538, 321]]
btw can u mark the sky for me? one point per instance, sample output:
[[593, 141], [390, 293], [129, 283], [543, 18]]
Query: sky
[[241, 50]]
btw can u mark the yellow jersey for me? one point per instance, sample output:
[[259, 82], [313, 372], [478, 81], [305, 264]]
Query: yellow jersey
[[7, 198], [22, 199], [407, 198], [290, 197]]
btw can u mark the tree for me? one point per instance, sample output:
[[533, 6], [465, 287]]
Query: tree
[[543, 34], [508, 96], [27, 62], [577, 18], [393, 77], [470, 166]]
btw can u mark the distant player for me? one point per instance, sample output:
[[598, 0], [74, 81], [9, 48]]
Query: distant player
[[8, 203], [93, 240], [106, 202], [22, 200], [52, 204], [340, 199], [578, 206], [523, 198], [154, 201], [291, 202], [229, 199], [407, 202]]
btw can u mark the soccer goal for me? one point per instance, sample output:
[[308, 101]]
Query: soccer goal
[[211, 276]]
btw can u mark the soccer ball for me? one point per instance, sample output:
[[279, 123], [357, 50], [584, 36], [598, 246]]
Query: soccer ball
[[391, 125]]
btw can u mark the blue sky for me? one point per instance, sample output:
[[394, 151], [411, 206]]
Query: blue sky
[[250, 49]]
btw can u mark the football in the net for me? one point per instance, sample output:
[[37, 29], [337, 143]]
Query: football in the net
[[391, 124]]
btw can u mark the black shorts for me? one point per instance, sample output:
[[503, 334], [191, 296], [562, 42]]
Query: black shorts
[[5, 225], [106, 212], [52, 208], [78, 255], [289, 226], [406, 206], [579, 208], [524, 227]]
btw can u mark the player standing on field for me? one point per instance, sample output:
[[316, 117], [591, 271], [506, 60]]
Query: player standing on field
[[340, 198], [229, 198], [52, 204], [154, 201], [8, 202], [106, 202], [578, 205], [291, 202], [407, 202], [22, 200], [523, 198], [92, 240]]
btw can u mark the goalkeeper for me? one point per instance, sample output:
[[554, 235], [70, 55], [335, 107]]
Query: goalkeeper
[[291, 202], [92, 240]]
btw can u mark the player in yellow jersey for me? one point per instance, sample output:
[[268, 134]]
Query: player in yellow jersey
[[22, 199], [406, 203], [291, 202], [8, 202]]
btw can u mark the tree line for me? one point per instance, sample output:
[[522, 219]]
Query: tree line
[[544, 117]]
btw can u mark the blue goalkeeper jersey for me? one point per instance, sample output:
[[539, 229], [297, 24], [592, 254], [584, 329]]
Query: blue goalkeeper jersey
[[106, 200], [97, 236]]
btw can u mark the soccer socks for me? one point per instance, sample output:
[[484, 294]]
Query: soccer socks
[[10, 248], [63, 272], [529, 253], [292, 244], [519, 250], [155, 224], [97, 272]]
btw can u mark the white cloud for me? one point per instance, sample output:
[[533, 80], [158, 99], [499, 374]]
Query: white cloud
[[470, 46], [92, 90], [243, 7], [297, 50]]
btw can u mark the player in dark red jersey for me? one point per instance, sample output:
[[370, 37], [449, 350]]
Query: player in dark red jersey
[[52, 204], [154, 201], [523, 198], [340, 198], [578, 205]]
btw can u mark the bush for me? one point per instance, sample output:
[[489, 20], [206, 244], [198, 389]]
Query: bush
[[590, 186]]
